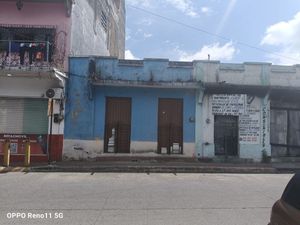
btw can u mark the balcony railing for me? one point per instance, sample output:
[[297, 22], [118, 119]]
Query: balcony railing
[[25, 54]]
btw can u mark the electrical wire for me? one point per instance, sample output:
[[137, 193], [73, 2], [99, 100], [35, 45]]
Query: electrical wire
[[77, 75], [211, 34]]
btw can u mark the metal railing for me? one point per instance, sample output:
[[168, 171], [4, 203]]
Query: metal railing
[[20, 53]]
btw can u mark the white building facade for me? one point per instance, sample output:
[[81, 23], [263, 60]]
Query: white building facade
[[247, 112]]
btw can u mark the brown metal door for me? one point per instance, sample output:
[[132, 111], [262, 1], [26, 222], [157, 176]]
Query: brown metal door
[[170, 130], [117, 125], [226, 135]]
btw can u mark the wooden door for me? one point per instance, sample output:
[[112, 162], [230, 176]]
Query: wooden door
[[170, 128], [117, 125]]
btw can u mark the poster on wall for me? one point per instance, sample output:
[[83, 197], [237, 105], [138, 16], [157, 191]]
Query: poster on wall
[[229, 104], [38, 143], [249, 126]]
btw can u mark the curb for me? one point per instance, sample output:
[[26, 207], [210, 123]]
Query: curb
[[150, 168], [155, 169], [14, 169]]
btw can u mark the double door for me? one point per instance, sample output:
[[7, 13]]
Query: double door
[[118, 125]]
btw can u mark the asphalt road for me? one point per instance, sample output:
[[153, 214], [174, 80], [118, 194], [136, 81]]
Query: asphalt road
[[138, 199]]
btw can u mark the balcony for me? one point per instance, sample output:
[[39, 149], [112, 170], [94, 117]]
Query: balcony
[[30, 49], [18, 54]]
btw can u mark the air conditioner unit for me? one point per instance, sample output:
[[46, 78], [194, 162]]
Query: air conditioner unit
[[54, 93]]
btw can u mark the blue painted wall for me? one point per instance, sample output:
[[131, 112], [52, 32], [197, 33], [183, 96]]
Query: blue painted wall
[[85, 116], [79, 109], [145, 110], [143, 70]]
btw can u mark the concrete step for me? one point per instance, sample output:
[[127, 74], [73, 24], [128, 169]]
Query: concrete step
[[222, 159], [285, 159], [158, 158]]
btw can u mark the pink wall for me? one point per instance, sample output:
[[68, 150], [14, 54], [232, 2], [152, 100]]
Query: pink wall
[[34, 14], [53, 14]]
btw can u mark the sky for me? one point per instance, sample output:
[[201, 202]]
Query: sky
[[231, 31]]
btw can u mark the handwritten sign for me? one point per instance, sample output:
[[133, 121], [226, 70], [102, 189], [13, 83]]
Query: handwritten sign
[[229, 104], [249, 126]]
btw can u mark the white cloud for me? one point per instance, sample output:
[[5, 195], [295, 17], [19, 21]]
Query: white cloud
[[215, 50], [185, 6], [141, 34], [145, 22], [206, 10], [285, 35], [147, 35], [129, 55], [128, 34], [144, 3]]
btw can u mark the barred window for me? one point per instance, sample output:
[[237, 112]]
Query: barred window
[[104, 21]]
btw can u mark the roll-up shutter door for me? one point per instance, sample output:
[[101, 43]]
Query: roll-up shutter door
[[23, 116]]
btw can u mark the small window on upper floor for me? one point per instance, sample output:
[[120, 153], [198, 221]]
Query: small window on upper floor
[[104, 21]]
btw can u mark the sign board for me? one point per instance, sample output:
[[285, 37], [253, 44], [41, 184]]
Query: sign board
[[248, 112], [233, 105], [38, 143], [249, 126]]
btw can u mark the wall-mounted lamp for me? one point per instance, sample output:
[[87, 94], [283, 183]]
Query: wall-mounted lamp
[[19, 4]]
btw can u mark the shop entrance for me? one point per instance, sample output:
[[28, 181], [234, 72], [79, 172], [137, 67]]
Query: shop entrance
[[23, 118], [170, 129], [117, 125], [226, 135]]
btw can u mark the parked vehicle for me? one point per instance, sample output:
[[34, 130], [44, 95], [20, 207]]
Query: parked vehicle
[[286, 211]]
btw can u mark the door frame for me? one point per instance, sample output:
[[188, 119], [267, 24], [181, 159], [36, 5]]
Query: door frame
[[237, 136], [107, 98], [288, 146], [181, 100]]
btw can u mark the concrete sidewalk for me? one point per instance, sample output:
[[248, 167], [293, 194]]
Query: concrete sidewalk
[[154, 166]]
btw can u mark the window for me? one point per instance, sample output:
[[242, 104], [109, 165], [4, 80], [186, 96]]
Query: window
[[104, 21]]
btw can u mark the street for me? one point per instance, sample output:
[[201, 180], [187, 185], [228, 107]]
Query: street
[[139, 199]]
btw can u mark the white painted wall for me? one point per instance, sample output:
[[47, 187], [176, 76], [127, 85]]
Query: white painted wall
[[91, 149], [32, 87], [26, 87], [57, 128], [246, 150], [88, 37], [82, 149], [247, 73]]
